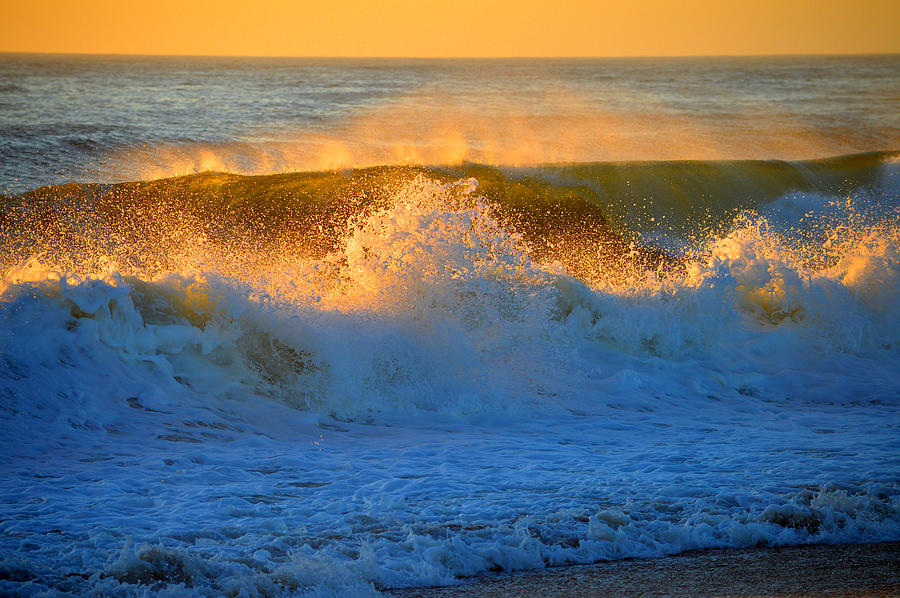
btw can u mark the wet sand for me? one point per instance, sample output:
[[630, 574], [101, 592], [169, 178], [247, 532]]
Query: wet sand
[[821, 570]]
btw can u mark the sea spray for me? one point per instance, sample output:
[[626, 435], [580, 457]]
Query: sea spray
[[424, 396]]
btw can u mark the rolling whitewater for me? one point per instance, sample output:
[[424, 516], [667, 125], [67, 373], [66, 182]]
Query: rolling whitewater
[[292, 327]]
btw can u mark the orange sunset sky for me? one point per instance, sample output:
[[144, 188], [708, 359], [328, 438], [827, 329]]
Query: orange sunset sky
[[451, 28]]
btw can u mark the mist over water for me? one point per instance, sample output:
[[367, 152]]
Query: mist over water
[[123, 118], [543, 313]]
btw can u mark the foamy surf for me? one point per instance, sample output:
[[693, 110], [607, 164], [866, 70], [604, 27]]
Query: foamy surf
[[436, 387]]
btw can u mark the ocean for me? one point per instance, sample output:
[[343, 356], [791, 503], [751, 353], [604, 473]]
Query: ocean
[[335, 327]]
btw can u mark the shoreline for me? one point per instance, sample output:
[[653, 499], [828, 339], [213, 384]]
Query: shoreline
[[806, 570]]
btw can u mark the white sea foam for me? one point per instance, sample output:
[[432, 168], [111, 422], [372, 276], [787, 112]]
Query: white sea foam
[[430, 403]]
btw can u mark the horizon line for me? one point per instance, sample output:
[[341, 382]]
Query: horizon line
[[402, 57]]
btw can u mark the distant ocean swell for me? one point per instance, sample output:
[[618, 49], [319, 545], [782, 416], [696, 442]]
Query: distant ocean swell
[[344, 351]]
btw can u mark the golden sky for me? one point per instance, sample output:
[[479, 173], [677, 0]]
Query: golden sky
[[451, 28]]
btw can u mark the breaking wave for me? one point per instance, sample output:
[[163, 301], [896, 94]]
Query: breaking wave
[[230, 325]]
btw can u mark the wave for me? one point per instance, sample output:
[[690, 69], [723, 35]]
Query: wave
[[328, 383], [270, 275], [582, 214]]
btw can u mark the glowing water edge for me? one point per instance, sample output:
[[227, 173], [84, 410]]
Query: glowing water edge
[[333, 383]]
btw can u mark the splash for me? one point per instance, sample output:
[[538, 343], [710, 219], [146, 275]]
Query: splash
[[330, 405], [447, 304]]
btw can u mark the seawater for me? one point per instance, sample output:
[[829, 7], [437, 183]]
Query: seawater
[[293, 327], [121, 118]]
